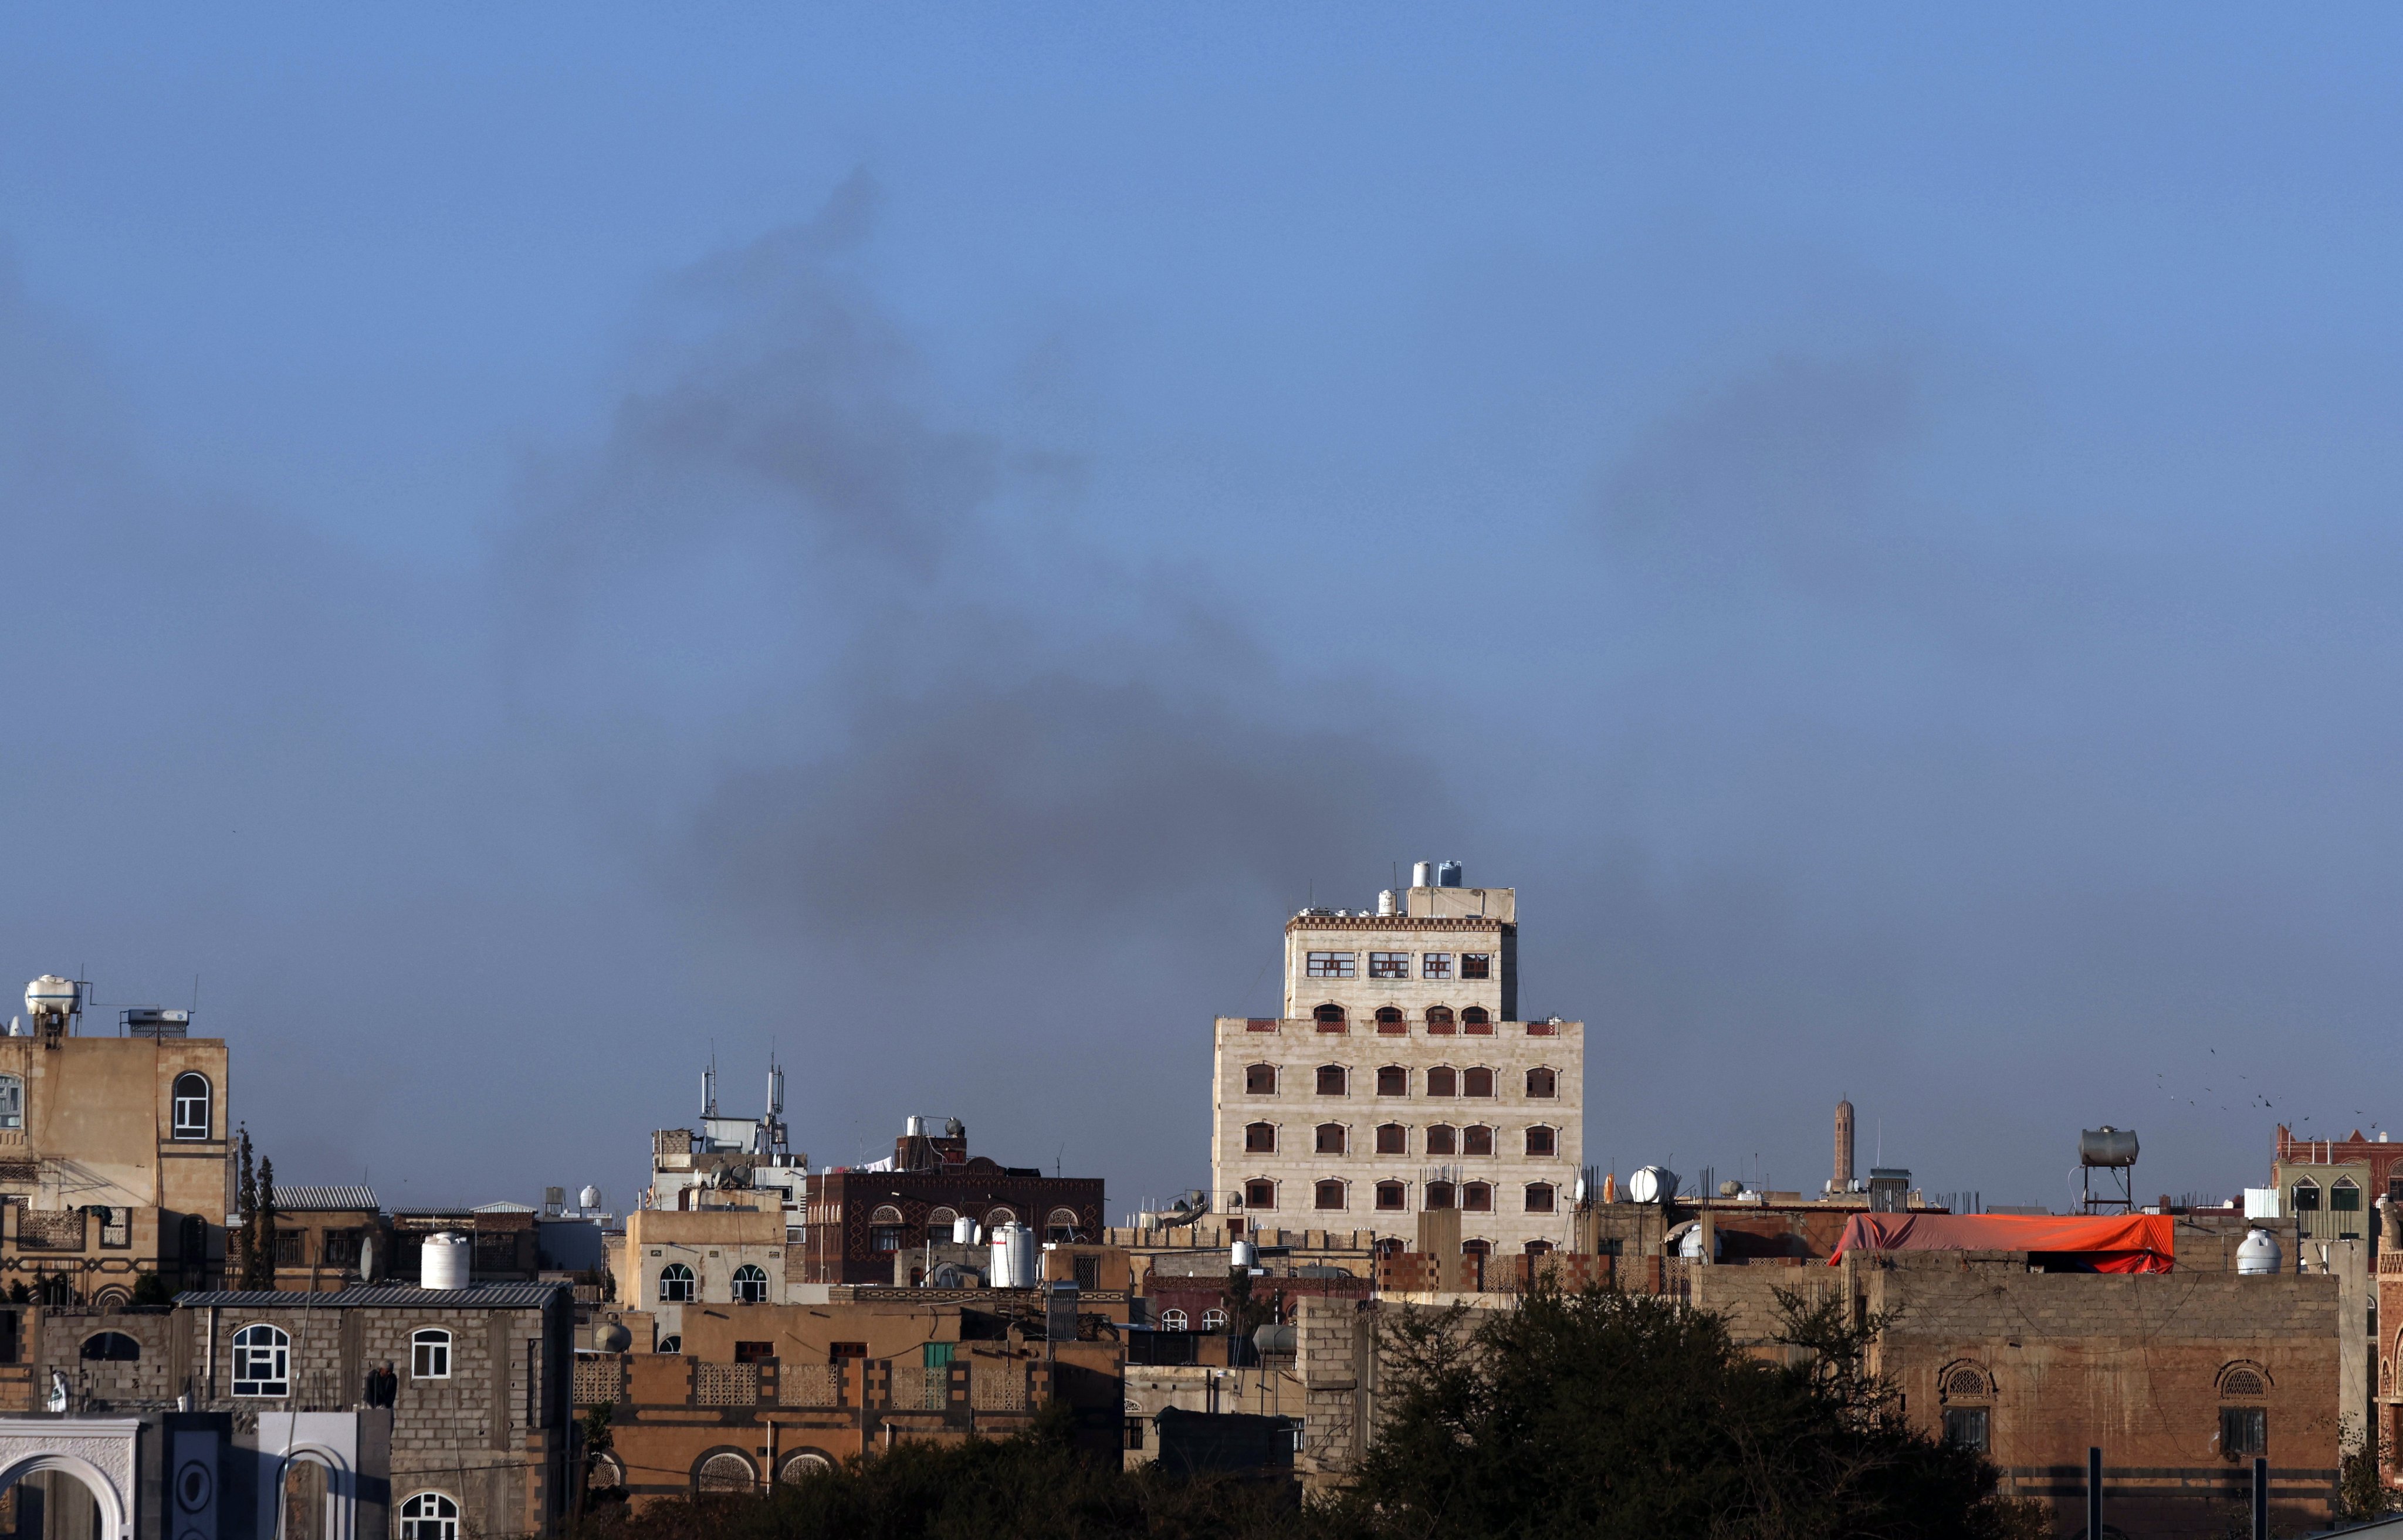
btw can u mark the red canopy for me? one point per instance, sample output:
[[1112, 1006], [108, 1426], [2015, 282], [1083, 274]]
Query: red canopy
[[2136, 1243]]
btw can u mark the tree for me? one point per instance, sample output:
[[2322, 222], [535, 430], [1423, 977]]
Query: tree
[[2361, 1489], [253, 1243], [151, 1289], [1607, 1414]]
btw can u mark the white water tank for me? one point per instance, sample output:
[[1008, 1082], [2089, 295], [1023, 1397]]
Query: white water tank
[[2258, 1255], [1246, 1257], [1421, 874], [1691, 1247], [443, 1261], [1013, 1257], [963, 1232], [1652, 1185], [1385, 902], [50, 995], [588, 1198], [914, 1126]]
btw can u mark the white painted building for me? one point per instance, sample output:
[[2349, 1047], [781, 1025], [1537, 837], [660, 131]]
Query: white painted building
[[1399, 1078]]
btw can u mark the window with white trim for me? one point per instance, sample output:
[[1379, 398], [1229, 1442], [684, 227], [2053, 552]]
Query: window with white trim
[[1333, 965], [429, 1516], [262, 1361], [1434, 964], [429, 1354], [675, 1285], [1389, 964], [750, 1285], [192, 1107], [12, 1102]]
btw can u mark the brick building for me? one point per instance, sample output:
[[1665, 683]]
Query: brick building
[[1399, 1078], [858, 1217]]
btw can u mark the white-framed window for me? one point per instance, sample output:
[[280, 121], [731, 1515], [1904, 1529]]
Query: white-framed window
[[750, 1285], [191, 1105], [670, 1343], [675, 1285], [1333, 965], [1172, 1320], [1434, 964], [1389, 964], [429, 1516], [429, 1354], [12, 1102], [262, 1361], [1213, 1318]]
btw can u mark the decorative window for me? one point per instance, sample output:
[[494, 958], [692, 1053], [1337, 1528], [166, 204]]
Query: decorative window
[[1539, 1198], [1541, 1140], [2307, 1196], [1479, 1028], [1330, 1195], [1260, 1138], [1172, 1320], [1475, 1019], [1477, 1197], [724, 1472], [1434, 964], [1333, 965], [1477, 1139], [1389, 964], [1443, 1080], [1333, 1080], [1538, 1248], [1330, 1139], [1393, 1139], [192, 1107], [1213, 1318], [2244, 1432], [262, 1361], [116, 1227], [1390, 1022], [675, 1285], [1260, 1195], [2345, 1197], [1442, 1138], [1541, 1083], [603, 1472], [803, 1465], [1964, 1382], [2243, 1381], [429, 1354], [670, 1344], [1060, 1224], [429, 1516], [111, 1347], [1393, 1080], [750, 1285], [12, 1102], [1438, 1020], [1259, 1080], [1477, 964], [1968, 1427], [1439, 1195], [939, 1223], [1477, 1083], [1392, 1197], [999, 1215], [1329, 1018]]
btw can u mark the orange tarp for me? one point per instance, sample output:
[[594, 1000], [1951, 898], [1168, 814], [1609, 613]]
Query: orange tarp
[[2136, 1243]]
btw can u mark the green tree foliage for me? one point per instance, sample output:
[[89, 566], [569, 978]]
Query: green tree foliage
[[253, 1242], [2361, 1493], [151, 1289]]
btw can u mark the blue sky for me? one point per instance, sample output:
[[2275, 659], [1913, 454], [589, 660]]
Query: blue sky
[[549, 540]]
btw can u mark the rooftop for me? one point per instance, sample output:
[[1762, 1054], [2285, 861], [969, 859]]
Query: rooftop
[[474, 1297], [300, 1199]]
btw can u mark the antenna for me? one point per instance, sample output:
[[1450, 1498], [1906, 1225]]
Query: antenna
[[709, 1087]]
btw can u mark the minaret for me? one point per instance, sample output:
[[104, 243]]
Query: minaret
[[1843, 1146]]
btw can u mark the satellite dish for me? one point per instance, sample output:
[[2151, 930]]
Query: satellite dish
[[371, 1259]]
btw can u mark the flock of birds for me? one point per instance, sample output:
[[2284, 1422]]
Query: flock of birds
[[2250, 1098]]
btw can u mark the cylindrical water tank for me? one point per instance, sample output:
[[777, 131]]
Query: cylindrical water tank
[[588, 1198], [963, 1232], [50, 993], [1447, 874], [2106, 1146], [611, 1337], [914, 1126], [2258, 1254], [1247, 1257], [1385, 901], [1652, 1185], [1421, 874], [1275, 1338], [1690, 1248], [1013, 1257], [443, 1261]]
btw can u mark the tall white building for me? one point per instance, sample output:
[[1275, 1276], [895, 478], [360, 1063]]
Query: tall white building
[[1399, 1078]]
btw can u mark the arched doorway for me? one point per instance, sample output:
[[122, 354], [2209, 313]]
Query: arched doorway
[[65, 1497]]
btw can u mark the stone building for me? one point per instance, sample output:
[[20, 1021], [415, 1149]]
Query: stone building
[[859, 1216], [113, 1158], [1399, 1078], [673, 1260]]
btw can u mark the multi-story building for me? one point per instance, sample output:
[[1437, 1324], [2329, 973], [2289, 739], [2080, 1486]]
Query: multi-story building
[[1399, 1078]]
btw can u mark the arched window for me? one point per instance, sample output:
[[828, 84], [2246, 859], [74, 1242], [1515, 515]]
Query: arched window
[[1390, 1022], [1330, 1138], [12, 1102], [1393, 1139], [111, 1347], [724, 1472], [1393, 1080], [1260, 1195], [1392, 1197], [938, 1225], [191, 1105], [670, 1344], [2345, 1197], [1260, 1138], [1172, 1320], [1329, 1018], [429, 1516], [262, 1361], [2243, 1381], [1477, 1248], [2307, 1196], [1333, 1080], [1259, 1080], [1542, 1141], [1965, 1380], [1477, 1083], [1442, 1138], [1539, 1198], [429, 1354], [1477, 1197], [1475, 1019], [1000, 1214], [750, 1285], [801, 1467], [1439, 1195], [1440, 1020], [1443, 1080], [675, 1285], [1477, 1139], [886, 1215], [1213, 1318], [1540, 1082], [603, 1472], [1061, 1225], [1330, 1195]]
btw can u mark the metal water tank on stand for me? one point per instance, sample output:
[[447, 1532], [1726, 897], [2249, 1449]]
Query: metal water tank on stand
[[442, 1261]]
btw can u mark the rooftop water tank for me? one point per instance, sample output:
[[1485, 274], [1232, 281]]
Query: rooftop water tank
[[2106, 1146], [442, 1261], [2258, 1255], [1246, 1257], [611, 1337], [1691, 1247], [1421, 874], [1652, 1185], [963, 1232], [914, 1128], [1385, 901], [50, 995], [1014, 1265], [1447, 874], [589, 1198]]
